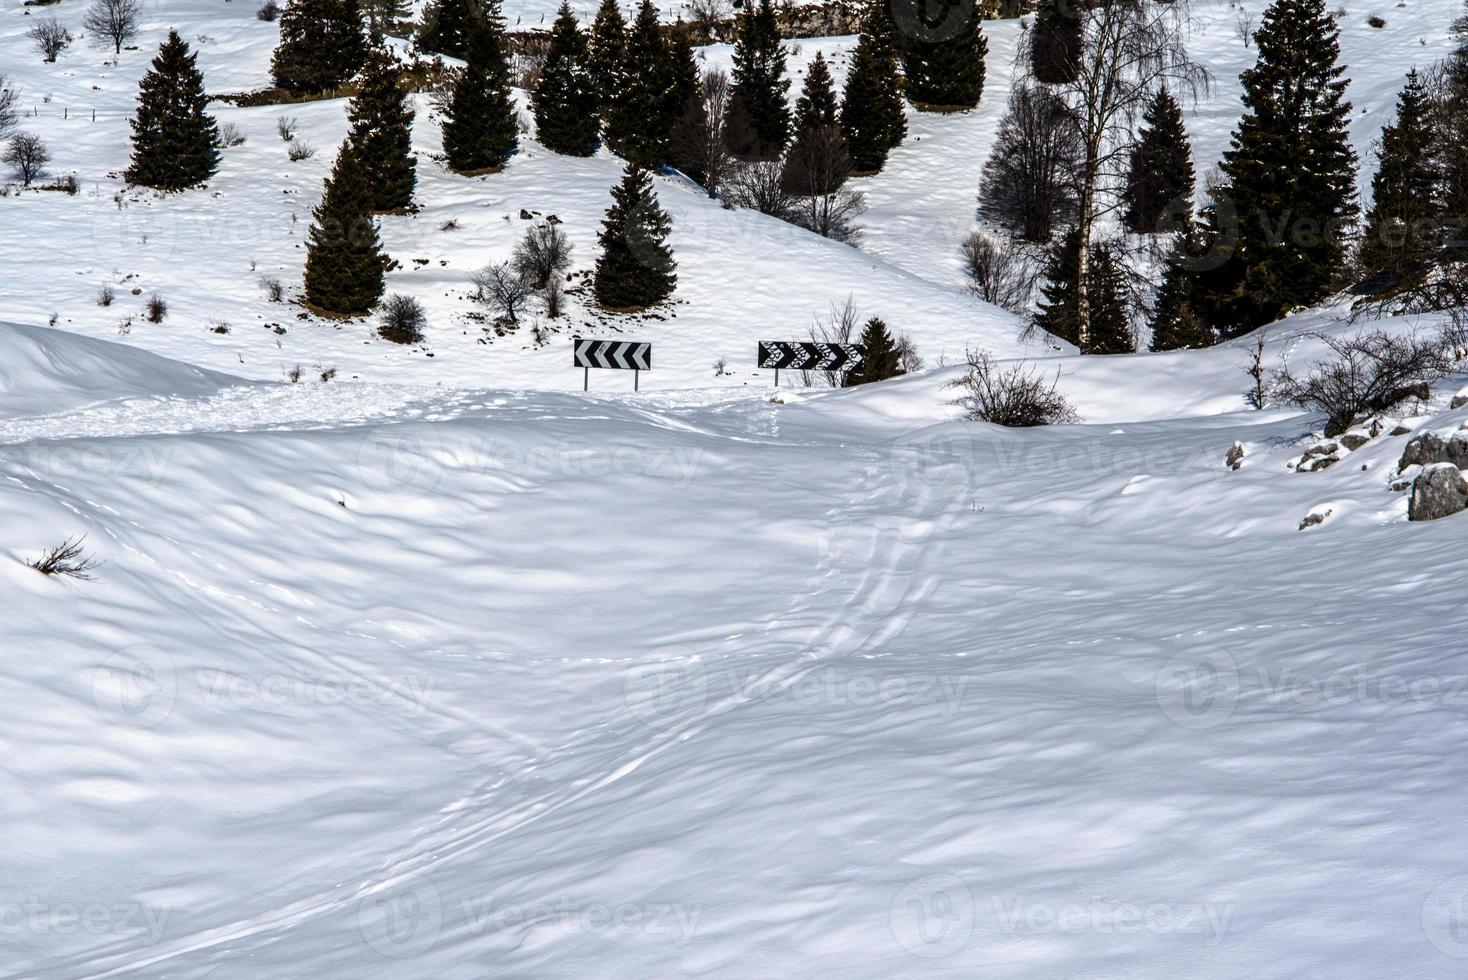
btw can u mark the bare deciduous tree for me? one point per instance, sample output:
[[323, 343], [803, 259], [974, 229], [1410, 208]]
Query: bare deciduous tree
[[837, 327], [28, 155], [115, 21], [1029, 184], [1001, 276], [50, 38], [700, 145], [1130, 48], [503, 289], [9, 96]]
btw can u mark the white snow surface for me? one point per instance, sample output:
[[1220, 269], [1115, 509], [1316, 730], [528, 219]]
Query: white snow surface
[[443, 669]]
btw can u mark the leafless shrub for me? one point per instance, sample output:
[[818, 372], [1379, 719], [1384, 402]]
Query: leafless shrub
[[327, 374], [543, 254], [1366, 373], [67, 559], [760, 186], [27, 154], [106, 295], [156, 309], [1258, 394], [274, 288], [403, 320], [269, 13], [831, 215], [998, 275], [50, 38], [1017, 396], [230, 135], [450, 225], [555, 297], [113, 21], [300, 150], [908, 358], [293, 375], [9, 96], [836, 327], [286, 127], [1244, 27], [502, 288], [707, 15]]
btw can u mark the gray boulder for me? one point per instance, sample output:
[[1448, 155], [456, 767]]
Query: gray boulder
[[1457, 451], [1439, 491], [1423, 450], [1355, 439]]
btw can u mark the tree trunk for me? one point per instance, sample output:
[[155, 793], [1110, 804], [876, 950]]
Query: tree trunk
[[1083, 261]]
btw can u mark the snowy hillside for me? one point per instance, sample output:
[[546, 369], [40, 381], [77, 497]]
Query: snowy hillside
[[439, 667]]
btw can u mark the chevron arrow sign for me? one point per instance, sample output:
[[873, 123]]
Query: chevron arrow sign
[[628, 355], [785, 355]]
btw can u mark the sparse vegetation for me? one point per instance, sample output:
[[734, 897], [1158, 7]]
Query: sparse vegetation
[[503, 289], [68, 559], [156, 309], [299, 150], [50, 38], [1017, 396], [106, 295], [273, 287], [27, 155], [403, 320]]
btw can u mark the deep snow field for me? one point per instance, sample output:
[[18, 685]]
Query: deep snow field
[[445, 669]]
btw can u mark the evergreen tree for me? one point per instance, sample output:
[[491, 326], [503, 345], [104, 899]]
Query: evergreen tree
[[641, 121], [1452, 131], [819, 160], [1107, 288], [760, 85], [881, 360], [1174, 324], [636, 267], [1111, 330], [446, 27], [1288, 192], [382, 132], [322, 43], [683, 74], [344, 261], [872, 113], [383, 14], [1404, 226], [1056, 42], [564, 100], [480, 129], [1160, 179], [944, 62], [175, 143], [608, 52]]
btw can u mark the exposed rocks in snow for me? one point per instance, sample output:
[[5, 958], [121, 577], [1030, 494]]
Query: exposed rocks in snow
[[1235, 458], [1315, 517], [1319, 456], [1400, 430], [1457, 450], [1439, 491], [1355, 439], [1459, 400], [1423, 450]]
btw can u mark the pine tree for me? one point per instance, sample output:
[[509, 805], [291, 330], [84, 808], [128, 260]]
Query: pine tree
[[944, 62], [683, 74], [608, 52], [382, 132], [564, 100], [481, 129], [322, 43], [1107, 288], [1159, 181], [760, 85], [872, 113], [446, 27], [640, 121], [1056, 42], [819, 160], [344, 261], [1173, 323], [636, 267], [1404, 226], [881, 360], [1288, 192], [384, 14], [175, 143], [1452, 131], [1111, 331]]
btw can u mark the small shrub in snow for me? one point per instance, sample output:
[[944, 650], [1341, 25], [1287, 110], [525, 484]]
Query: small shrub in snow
[[286, 127], [1017, 396], [1376, 21], [156, 309], [269, 13], [230, 135], [555, 297], [997, 275], [1366, 373], [67, 559], [106, 295], [403, 320], [293, 375], [300, 150], [274, 288], [327, 374]]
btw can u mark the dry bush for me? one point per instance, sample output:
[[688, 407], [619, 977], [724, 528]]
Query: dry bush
[[269, 13], [300, 150], [230, 135], [50, 38], [403, 320], [997, 275], [67, 559], [1017, 396], [286, 127], [543, 254], [1367, 373], [502, 288], [274, 288], [106, 295], [156, 309]]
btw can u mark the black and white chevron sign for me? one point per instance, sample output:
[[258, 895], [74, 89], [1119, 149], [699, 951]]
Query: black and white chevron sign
[[629, 355], [785, 355]]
